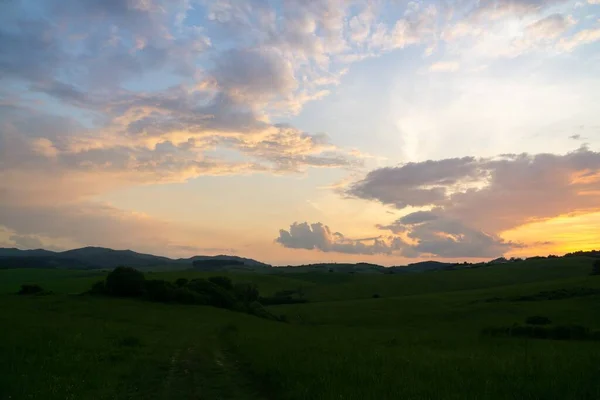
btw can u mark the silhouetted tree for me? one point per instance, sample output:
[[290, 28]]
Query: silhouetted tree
[[159, 290], [30, 289], [222, 281], [181, 282], [216, 295], [98, 288], [537, 320], [125, 281], [246, 292]]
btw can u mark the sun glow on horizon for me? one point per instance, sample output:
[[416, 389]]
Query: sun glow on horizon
[[563, 234]]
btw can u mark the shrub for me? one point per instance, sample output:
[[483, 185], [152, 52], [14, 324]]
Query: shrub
[[561, 332], [30, 288], [285, 293], [186, 296], [566, 332], [222, 281], [129, 341], [272, 301], [98, 288], [537, 320], [246, 292], [216, 295], [181, 282], [159, 290], [125, 281], [376, 296], [257, 309]]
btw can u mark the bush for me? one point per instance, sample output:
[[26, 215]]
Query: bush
[[273, 301], [538, 320], [98, 288], [285, 293], [216, 295], [30, 288], [222, 281], [376, 296], [257, 309], [181, 282], [246, 292], [125, 281], [159, 290], [186, 296], [130, 341], [560, 332]]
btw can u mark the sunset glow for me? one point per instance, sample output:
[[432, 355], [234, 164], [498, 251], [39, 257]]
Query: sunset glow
[[301, 131]]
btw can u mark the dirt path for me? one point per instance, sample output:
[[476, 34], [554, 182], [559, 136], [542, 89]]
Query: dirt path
[[207, 375]]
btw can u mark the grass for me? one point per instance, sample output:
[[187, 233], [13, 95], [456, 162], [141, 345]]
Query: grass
[[420, 340]]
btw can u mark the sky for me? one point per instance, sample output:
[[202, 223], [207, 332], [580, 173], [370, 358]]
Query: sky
[[299, 131]]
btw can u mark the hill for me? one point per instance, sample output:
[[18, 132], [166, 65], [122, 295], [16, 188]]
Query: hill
[[99, 258], [357, 336]]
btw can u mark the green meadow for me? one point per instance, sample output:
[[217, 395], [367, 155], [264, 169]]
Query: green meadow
[[359, 336]]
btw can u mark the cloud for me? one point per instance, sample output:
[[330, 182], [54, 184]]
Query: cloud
[[428, 236], [550, 27], [491, 194], [434, 234], [317, 236], [583, 37], [254, 74], [471, 202], [417, 184], [444, 66], [91, 223], [499, 8], [101, 95], [27, 241]]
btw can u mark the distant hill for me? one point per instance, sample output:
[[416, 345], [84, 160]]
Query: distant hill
[[245, 261], [424, 266], [13, 252], [99, 258]]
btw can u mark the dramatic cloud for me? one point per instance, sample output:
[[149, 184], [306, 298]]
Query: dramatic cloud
[[418, 184], [101, 95], [319, 237], [438, 237], [474, 200]]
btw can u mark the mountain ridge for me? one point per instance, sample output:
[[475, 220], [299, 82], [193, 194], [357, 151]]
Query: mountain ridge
[[92, 257]]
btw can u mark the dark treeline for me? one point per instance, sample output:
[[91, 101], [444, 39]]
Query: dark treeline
[[217, 291], [215, 264], [580, 253]]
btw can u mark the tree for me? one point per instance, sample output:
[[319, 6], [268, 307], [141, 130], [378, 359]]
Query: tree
[[246, 292], [216, 295], [596, 268], [222, 281], [181, 282], [30, 289], [125, 281]]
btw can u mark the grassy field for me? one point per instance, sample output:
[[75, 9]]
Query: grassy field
[[420, 339]]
